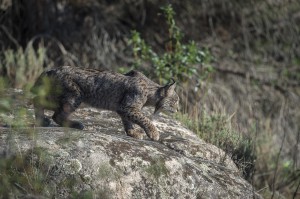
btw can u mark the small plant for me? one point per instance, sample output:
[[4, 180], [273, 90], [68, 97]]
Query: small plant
[[179, 61], [216, 129], [25, 173], [13, 106], [274, 173], [21, 67], [5, 102]]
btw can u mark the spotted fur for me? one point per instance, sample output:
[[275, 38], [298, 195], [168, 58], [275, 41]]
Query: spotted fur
[[64, 89]]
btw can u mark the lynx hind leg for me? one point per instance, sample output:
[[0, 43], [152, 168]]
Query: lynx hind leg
[[41, 119], [132, 130]]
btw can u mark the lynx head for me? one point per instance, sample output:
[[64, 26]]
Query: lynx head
[[169, 100]]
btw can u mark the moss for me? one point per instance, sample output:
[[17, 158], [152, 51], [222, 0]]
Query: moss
[[107, 172], [69, 136], [157, 169], [72, 166], [119, 147]]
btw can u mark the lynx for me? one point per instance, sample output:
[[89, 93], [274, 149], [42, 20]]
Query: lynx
[[64, 89]]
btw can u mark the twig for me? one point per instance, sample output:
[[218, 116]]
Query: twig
[[261, 189], [65, 53], [296, 151], [277, 162], [296, 191], [20, 188], [9, 36]]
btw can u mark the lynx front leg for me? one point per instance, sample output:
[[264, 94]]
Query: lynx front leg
[[61, 115], [132, 130], [135, 116], [41, 119], [69, 103]]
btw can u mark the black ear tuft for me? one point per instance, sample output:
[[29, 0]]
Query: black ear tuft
[[131, 73], [169, 88], [171, 82]]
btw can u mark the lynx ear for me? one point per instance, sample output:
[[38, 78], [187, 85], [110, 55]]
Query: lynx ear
[[170, 87], [172, 82]]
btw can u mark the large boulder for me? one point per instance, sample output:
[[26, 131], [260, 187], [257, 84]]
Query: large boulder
[[102, 162]]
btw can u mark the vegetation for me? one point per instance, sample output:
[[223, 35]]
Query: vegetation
[[22, 67], [237, 65], [179, 61], [216, 129], [185, 62], [24, 173]]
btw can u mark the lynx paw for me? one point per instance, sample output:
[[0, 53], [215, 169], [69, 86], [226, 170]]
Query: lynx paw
[[136, 133], [154, 135], [76, 125], [44, 122]]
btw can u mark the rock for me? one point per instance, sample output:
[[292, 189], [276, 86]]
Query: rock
[[102, 162]]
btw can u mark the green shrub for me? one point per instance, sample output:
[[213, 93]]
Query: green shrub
[[179, 61], [22, 67]]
